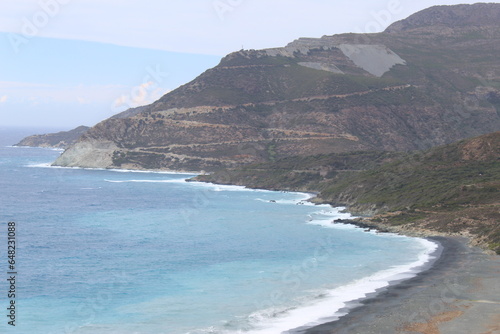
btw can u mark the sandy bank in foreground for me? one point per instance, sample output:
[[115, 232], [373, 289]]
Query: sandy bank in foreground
[[459, 294]]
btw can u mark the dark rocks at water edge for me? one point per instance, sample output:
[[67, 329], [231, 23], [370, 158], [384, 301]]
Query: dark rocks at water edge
[[62, 139], [451, 189]]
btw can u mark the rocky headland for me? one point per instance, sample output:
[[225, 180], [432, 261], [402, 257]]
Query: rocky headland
[[62, 139], [337, 116], [402, 127], [431, 79]]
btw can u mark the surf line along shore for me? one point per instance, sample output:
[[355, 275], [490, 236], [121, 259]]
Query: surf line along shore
[[446, 298], [459, 293]]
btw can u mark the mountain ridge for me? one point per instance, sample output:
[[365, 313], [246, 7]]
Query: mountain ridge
[[341, 93], [62, 139], [454, 16]]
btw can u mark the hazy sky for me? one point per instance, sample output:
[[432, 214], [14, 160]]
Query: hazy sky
[[64, 63]]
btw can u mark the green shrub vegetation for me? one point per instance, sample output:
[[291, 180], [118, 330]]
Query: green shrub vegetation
[[446, 183]]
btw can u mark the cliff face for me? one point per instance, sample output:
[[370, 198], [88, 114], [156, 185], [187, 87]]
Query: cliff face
[[431, 79], [61, 139]]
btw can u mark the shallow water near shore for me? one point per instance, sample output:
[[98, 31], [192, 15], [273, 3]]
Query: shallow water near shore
[[104, 251]]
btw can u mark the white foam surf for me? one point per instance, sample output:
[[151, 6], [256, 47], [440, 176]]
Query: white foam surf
[[150, 171], [332, 304], [147, 181], [37, 148], [223, 187], [49, 165], [301, 199]]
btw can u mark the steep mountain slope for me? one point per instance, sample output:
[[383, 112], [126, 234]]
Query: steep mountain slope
[[431, 79], [452, 189], [452, 175]]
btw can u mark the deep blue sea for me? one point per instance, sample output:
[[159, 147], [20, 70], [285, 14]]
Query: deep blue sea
[[108, 251]]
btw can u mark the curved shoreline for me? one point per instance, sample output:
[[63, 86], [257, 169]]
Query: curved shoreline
[[443, 299], [348, 305], [338, 301]]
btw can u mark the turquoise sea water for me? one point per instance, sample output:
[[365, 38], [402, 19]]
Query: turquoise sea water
[[104, 251]]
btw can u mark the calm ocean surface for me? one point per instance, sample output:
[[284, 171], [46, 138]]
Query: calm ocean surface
[[103, 251]]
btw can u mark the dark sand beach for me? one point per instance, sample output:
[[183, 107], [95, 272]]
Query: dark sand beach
[[460, 293]]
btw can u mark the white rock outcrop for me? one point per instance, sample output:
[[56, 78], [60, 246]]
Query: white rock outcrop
[[88, 154], [375, 59]]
